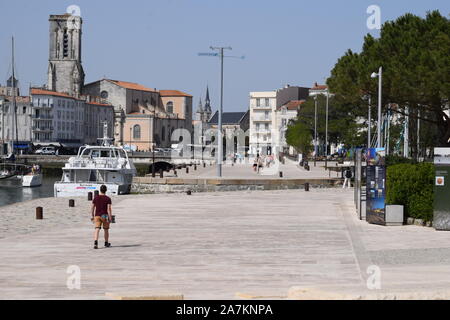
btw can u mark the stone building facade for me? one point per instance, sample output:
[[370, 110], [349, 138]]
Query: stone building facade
[[144, 118]]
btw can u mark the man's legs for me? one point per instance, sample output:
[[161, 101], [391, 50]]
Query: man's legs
[[96, 234], [106, 235]]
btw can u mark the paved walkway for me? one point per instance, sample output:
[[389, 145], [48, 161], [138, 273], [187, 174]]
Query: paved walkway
[[214, 245], [245, 171]]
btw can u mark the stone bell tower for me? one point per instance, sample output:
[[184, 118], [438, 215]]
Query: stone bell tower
[[65, 72]]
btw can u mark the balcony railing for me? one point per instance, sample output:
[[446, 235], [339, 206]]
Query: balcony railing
[[262, 107], [42, 129], [261, 119]]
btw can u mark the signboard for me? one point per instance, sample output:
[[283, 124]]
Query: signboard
[[375, 186], [441, 156], [441, 203]]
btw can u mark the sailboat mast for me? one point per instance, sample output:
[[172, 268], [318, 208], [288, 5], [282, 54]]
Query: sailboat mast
[[14, 97]]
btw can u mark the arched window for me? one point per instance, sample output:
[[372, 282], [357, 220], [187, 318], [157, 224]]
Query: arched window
[[163, 133], [137, 132], [169, 107]]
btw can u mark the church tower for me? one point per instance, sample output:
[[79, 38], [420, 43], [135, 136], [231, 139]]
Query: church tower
[[207, 108], [65, 72]]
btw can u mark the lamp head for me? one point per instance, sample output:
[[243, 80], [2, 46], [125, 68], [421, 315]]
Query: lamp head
[[374, 75]]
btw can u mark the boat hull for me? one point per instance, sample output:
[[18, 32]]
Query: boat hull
[[67, 189], [34, 180]]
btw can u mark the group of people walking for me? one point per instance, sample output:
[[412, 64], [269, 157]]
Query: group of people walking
[[261, 162]]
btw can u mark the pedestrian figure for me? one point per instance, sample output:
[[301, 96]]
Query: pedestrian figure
[[348, 177], [255, 165], [101, 216]]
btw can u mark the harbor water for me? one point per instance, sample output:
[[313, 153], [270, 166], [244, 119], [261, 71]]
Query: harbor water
[[11, 190]]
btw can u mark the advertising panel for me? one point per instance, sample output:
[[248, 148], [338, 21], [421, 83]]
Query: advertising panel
[[375, 186]]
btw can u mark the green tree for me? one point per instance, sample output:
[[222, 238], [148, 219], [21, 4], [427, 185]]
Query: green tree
[[414, 53]]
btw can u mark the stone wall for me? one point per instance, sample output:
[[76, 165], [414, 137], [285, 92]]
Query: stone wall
[[146, 185]]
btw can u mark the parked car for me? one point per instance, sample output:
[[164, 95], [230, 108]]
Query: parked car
[[46, 151]]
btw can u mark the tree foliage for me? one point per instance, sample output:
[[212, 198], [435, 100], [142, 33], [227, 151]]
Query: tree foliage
[[414, 54]]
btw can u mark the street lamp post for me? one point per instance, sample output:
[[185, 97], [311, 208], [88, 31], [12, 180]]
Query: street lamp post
[[380, 76], [219, 133], [369, 133], [153, 142], [219, 130], [315, 129], [326, 131]]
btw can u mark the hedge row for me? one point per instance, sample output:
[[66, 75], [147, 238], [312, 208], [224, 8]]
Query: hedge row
[[411, 185]]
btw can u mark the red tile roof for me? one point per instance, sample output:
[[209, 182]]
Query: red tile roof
[[294, 104], [99, 104], [131, 85], [173, 93], [319, 87], [42, 92]]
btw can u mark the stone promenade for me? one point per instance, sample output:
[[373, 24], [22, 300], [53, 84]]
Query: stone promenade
[[229, 245]]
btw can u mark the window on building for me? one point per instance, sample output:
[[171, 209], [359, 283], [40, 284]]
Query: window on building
[[266, 115], [267, 102], [104, 94], [169, 107], [137, 132], [24, 110], [66, 44], [258, 102]]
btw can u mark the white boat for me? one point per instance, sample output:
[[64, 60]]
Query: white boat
[[32, 180], [95, 166]]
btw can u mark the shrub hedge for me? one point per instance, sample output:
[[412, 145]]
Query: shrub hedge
[[411, 185]]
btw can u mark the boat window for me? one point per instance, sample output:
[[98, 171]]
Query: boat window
[[95, 153], [104, 154]]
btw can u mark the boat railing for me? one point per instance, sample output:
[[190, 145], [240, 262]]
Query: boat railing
[[98, 163]]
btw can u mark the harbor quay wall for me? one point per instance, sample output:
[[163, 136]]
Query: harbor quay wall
[[148, 185]]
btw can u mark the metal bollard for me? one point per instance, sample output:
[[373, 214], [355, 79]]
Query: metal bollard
[[89, 196], [307, 186], [187, 169], [39, 213], [71, 203], [189, 192], [161, 173], [281, 174], [195, 167], [175, 172], [204, 165]]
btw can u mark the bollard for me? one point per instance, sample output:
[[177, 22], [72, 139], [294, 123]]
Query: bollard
[[189, 192], [96, 193], [161, 173], [71, 203], [187, 169], [204, 165], [89, 196], [195, 167], [175, 172], [39, 213], [281, 174], [307, 186]]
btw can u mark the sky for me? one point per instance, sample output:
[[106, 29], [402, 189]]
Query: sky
[[156, 42]]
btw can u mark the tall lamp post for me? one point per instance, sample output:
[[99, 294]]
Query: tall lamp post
[[380, 77], [153, 142], [219, 133], [326, 130], [315, 129]]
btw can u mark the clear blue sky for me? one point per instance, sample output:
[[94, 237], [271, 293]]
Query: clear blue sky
[[156, 42]]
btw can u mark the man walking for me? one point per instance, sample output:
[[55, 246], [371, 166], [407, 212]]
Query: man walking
[[348, 177], [101, 215]]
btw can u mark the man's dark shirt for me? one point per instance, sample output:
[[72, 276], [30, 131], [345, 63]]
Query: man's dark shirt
[[101, 205]]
